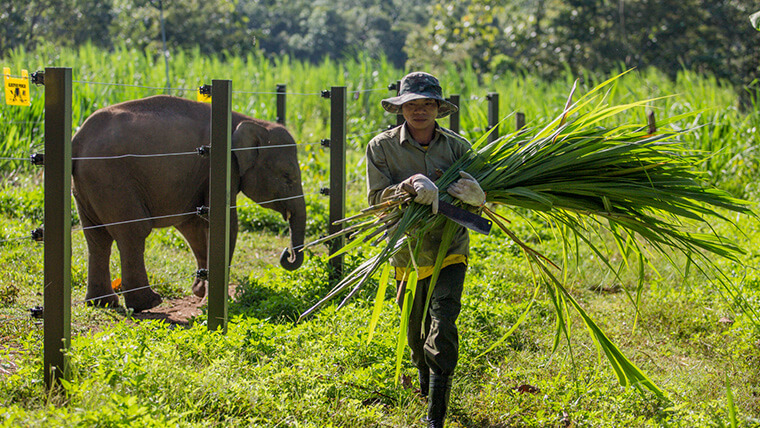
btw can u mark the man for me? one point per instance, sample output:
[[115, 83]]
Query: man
[[412, 156]]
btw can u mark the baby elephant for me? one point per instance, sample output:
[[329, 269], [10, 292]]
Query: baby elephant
[[131, 195]]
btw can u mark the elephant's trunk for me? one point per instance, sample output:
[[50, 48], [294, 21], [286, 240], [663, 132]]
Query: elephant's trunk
[[292, 257]]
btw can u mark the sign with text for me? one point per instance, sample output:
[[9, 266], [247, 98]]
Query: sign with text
[[16, 88]]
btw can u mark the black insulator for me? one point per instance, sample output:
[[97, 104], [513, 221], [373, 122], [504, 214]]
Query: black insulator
[[38, 234], [38, 77], [36, 312], [203, 151], [37, 159]]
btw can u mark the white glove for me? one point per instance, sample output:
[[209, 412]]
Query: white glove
[[424, 188], [467, 190]]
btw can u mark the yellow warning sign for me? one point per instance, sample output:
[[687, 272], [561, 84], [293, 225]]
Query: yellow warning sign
[[16, 88], [204, 94]]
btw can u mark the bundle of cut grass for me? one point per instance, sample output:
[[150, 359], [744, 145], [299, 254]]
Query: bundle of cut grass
[[639, 185]]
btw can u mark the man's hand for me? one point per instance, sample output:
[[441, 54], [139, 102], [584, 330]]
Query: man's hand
[[467, 190], [424, 188]]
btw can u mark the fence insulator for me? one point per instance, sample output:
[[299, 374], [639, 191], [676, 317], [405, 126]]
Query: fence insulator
[[38, 234], [324, 191], [202, 212], [37, 159], [203, 151], [37, 312], [205, 89], [325, 142], [38, 77], [326, 93], [393, 86], [202, 274]]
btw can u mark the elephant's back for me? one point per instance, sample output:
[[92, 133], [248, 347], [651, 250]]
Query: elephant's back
[[142, 150], [146, 126]]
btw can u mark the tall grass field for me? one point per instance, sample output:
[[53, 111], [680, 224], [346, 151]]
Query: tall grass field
[[697, 340]]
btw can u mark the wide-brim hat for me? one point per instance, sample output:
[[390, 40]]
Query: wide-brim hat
[[415, 86]]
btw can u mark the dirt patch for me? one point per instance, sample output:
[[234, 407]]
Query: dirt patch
[[175, 311], [179, 311]]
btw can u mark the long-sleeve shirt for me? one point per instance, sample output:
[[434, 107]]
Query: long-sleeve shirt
[[392, 157]]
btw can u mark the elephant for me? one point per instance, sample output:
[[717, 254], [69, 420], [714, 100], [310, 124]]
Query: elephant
[[121, 194]]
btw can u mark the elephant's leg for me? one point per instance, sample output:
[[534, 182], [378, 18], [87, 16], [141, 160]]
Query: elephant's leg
[[195, 231], [137, 293], [99, 291]]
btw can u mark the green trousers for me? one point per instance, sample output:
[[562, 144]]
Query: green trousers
[[436, 345]]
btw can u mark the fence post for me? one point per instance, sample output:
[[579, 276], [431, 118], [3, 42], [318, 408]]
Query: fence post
[[57, 252], [397, 87], [493, 115], [519, 121], [454, 118], [337, 172], [281, 90], [219, 205]]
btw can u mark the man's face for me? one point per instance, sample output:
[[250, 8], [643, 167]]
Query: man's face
[[420, 114]]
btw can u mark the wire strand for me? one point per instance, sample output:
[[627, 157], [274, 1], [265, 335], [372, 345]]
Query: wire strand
[[126, 85]]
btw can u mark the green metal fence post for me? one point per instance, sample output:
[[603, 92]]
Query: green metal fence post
[[454, 118], [337, 172], [493, 115], [57, 238], [281, 103], [219, 205]]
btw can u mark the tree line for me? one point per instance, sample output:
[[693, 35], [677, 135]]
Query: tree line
[[545, 37]]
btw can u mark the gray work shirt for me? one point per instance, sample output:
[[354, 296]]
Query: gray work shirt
[[392, 157]]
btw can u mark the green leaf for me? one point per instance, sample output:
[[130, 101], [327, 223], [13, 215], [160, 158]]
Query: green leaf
[[379, 299], [406, 310]]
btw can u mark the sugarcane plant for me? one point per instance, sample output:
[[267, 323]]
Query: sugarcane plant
[[637, 183]]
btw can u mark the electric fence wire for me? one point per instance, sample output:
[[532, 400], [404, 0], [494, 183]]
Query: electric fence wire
[[21, 238], [155, 155], [123, 292]]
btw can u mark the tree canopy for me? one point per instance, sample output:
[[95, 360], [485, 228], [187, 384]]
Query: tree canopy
[[543, 37]]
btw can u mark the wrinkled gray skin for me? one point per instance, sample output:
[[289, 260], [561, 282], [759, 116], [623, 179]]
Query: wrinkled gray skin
[[128, 188]]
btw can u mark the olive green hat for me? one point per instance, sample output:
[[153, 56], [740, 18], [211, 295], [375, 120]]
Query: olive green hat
[[417, 85]]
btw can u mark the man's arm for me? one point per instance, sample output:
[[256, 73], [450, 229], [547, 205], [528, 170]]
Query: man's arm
[[379, 183]]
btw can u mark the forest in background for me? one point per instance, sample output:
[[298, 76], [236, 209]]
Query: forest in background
[[537, 37]]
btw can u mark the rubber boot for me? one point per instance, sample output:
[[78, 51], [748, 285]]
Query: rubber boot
[[424, 376], [438, 400]]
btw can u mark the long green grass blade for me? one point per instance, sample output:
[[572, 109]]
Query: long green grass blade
[[379, 300], [406, 310]]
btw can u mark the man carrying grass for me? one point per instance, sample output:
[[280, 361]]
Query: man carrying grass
[[410, 158]]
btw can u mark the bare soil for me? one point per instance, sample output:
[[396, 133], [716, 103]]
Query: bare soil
[[175, 311]]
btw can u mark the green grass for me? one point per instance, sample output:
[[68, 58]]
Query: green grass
[[690, 337]]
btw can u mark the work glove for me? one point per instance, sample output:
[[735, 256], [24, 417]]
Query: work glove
[[467, 190], [425, 190]]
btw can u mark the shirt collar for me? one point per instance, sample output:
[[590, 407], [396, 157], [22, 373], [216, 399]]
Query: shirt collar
[[407, 136]]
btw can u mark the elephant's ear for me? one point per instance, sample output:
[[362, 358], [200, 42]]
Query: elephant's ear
[[246, 140]]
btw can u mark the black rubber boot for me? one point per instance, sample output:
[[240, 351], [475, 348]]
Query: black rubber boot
[[438, 400], [424, 376]]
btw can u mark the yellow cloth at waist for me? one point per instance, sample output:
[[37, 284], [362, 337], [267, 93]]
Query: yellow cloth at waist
[[426, 271]]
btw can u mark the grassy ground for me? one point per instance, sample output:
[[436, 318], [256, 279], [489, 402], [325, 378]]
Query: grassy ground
[[268, 371]]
